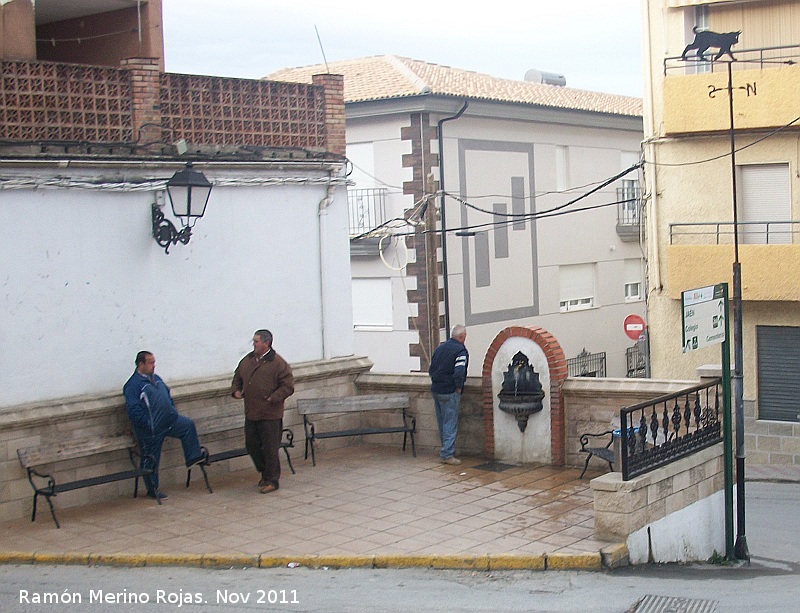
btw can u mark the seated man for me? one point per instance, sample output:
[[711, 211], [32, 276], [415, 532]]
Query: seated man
[[153, 416]]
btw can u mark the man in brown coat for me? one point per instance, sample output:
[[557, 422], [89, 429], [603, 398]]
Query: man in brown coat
[[264, 380]]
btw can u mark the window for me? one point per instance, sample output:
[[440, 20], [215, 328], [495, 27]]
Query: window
[[576, 287], [372, 303], [633, 280], [765, 197], [633, 292], [629, 202], [700, 21]]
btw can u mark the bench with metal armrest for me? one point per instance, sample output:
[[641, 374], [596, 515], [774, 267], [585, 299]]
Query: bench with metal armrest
[[225, 423], [45, 483], [352, 404]]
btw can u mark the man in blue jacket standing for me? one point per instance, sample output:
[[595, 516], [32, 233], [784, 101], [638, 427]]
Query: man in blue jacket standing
[[448, 371], [154, 417]]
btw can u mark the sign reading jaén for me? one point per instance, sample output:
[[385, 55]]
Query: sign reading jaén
[[703, 320]]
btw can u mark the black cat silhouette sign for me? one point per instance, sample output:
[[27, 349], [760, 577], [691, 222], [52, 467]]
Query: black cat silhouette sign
[[706, 39]]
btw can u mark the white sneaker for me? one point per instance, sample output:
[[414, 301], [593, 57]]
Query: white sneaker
[[452, 460]]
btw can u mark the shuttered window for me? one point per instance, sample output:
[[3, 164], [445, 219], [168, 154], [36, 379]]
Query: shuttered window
[[576, 287], [765, 197], [372, 303], [778, 373]]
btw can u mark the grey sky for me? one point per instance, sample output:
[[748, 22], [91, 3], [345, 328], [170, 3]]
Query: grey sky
[[595, 45]]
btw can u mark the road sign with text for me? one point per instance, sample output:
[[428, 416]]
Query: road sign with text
[[703, 317]]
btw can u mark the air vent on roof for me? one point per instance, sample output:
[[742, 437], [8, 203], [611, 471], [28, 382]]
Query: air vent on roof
[[548, 78]]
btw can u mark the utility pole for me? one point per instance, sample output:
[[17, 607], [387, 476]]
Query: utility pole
[[740, 548]]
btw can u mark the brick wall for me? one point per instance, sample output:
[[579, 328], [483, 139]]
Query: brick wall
[[426, 266]]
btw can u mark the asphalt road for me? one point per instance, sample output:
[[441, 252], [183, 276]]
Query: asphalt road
[[771, 583]]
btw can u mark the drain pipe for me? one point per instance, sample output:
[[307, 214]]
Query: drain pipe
[[322, 218], [441, 208]]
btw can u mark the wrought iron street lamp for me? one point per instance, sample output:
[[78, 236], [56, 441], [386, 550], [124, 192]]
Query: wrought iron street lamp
[[188, 192]]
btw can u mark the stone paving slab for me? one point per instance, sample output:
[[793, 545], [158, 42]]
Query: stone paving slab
[[361, 506]]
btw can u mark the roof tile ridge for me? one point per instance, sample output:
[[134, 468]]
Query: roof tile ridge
[[406, 71]]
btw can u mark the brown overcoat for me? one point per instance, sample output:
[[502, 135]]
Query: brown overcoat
[[265, 385]]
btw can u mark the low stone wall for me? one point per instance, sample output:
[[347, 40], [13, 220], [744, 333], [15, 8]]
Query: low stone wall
[[470, 438], [101, 416], [672, 514]]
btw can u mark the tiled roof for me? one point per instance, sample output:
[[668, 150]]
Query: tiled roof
[[387, 76]]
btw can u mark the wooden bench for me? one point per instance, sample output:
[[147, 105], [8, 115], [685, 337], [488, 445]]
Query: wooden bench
[[603, 452], [352, 404], [45, 483], [225, 423]]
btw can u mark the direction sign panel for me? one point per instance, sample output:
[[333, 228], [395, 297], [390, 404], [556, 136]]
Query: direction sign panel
[[704, 312]]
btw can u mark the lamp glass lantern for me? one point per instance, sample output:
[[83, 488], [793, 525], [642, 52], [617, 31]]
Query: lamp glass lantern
[[188, 192]]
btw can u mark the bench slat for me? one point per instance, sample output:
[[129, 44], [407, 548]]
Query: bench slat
[[81, 483], [362, 431], [227, 455], [313, 406], [31, 457]]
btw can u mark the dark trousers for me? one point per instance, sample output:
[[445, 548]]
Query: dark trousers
[[183, 429], [263, 441]]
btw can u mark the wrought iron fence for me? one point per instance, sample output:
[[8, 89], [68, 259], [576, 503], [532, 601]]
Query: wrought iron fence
[[635, 361], [587, 364], [661, 431], [367, 209]]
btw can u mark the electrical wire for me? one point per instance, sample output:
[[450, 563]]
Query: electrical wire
[[726, 154], [80, 39]]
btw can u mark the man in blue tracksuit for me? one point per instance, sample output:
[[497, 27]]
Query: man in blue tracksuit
[[154, 417], [448, 371]]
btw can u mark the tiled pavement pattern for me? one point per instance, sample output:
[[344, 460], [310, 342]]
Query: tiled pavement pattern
[[357, 501]]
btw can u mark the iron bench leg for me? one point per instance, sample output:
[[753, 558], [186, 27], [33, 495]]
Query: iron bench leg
[[52, 510]]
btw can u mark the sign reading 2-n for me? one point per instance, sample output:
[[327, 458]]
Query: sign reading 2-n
[[704, 313]]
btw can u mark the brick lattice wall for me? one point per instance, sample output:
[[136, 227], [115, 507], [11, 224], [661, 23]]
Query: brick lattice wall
[[43, 101]]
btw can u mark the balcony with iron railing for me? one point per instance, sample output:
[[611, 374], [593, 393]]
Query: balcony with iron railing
[[629, 213], [765, 81], [48, 107], [367, 211], [702, 253]]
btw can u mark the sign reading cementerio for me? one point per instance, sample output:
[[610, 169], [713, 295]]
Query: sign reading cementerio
[[704, 312]]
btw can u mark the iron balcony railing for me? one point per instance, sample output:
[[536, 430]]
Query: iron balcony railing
[[628, 206], [760, 58], [722, 232], [587, 364], [367, 209], [663, 430]]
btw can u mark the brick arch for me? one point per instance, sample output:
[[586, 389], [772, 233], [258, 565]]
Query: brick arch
[[557, 362]]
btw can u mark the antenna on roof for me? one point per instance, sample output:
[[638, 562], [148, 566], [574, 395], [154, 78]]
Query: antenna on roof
[[321, 49]]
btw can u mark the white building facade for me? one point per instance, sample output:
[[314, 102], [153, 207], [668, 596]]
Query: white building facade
[[516, 152]]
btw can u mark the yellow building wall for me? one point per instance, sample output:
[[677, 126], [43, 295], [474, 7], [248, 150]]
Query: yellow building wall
[[762, 99], [769, 272]]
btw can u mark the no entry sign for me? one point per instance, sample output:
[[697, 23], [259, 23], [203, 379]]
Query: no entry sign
[[634, 327]]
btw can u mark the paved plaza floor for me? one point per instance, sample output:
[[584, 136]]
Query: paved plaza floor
[[358, 501]]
